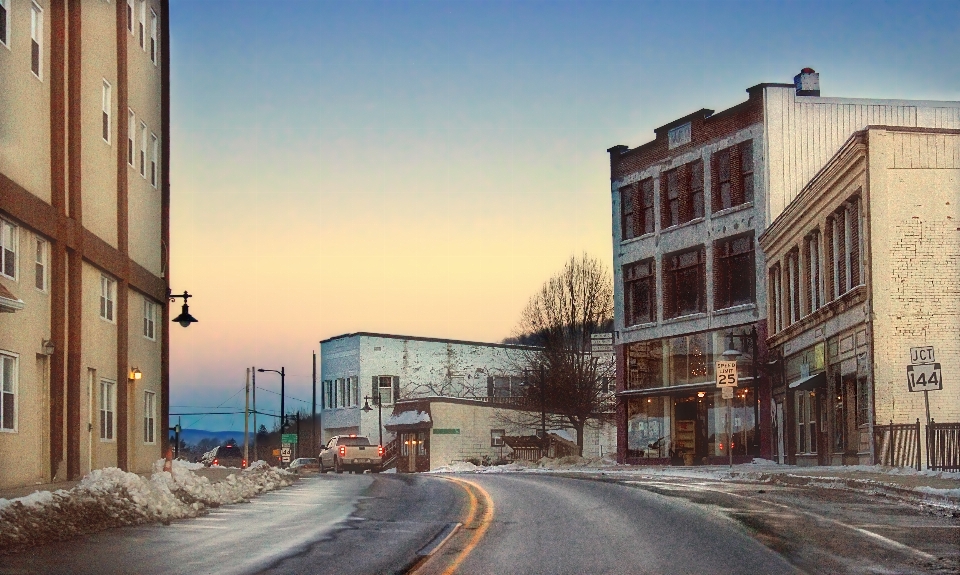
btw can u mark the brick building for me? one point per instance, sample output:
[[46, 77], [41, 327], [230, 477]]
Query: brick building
[[864, 265], [84, 233], [690, 281]]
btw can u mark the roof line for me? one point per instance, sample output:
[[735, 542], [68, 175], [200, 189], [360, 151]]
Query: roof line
[[429, 339]]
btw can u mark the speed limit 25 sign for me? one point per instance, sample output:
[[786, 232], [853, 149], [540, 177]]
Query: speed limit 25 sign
[[726, 374]]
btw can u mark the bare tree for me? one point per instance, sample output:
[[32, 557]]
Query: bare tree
[[559, 319]]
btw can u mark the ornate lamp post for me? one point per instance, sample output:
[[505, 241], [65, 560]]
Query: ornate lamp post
[[366, 407]]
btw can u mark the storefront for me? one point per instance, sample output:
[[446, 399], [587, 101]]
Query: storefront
[[673, 408]]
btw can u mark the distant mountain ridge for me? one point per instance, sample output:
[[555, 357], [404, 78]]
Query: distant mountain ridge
[[194, 436]]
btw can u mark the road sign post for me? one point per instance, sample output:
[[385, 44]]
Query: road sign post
[[726, 381], [923, 374]]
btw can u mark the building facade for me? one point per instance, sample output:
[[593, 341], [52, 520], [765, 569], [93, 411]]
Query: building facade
[[84, 226], [459, 381], [863, 266], [689, 279]]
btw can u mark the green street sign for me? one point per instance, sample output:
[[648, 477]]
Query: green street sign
[[288, 438]]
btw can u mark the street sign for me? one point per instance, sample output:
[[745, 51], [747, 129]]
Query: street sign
[[726, 392], [288, 438], [601, 344], [922, 355], [924, 377], [285, 453], [726, 374]]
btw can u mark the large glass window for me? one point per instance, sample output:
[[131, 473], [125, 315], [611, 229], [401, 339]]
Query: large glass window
[[646, 205], [735, 272], [640, 292], [695, 190], [685, 283], [671, 206], [806, 423], [691, 358], [626, 212], [8, 392], [644, 364], [647, 427]]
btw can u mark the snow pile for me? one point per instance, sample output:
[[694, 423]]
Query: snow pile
[[407, 418], [113, 498]]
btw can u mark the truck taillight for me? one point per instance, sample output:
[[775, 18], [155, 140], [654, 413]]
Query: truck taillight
[[216, 462], [380, 450], [244, 464], [343, 451]]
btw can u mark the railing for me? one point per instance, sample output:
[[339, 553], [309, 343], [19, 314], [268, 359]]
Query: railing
[[897, 445], [527, 454], [943, 446], [513, 401], [390, 452]]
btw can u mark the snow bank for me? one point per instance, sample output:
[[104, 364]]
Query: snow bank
[[113, 498], [407, 418]]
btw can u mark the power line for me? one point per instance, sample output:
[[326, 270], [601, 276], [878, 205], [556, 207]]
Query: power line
[[287, 395]]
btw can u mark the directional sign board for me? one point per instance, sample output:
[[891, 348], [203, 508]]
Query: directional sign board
[[285, 453], [922, 355], [924, 377], [601, 344], [288, 438], [726, 374]]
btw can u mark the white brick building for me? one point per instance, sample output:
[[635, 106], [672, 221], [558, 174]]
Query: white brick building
[[863, 265]]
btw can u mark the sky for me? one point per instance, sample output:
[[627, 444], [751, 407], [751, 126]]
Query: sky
[[422, 167]]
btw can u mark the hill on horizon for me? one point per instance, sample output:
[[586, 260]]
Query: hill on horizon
[[195, 436]]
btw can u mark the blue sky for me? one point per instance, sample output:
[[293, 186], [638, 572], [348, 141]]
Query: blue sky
[[421, 168]]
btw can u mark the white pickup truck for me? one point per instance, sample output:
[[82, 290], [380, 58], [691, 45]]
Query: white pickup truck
[[350, 453]]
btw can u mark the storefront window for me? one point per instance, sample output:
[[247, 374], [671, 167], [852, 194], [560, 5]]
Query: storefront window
[[647, 427], [644, 364], [743, 424], [690, 359]]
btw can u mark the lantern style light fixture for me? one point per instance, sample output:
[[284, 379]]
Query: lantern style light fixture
[[135, 374], [184, 319]]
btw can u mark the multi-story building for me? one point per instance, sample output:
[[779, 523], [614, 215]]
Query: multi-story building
[[690, 282], [458, 385], [84, 214], [863, 267]]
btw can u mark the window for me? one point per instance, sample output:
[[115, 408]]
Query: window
[[130, 16], [107, 402], [863, 402], [636, 209], [685, 283], [504, 386], [8, 249], [640, 292], [40, 269], [689, 358], [694, 174], [627, 230], [812, 271], [108, 295], [143, 149], [106, 104], [385, 388], [149, 319], [5, 22], [341, 392], [153, 37], [732, 170], [776, 298], [646, 205], [149, 417], [154, 153], [8, 392], [806, 424], [326, 394], [496, 437], [734, 272], [353, 385], [793, 287], [36, 39], [142, 23], [131, 132], [683, 194], [671, 208]]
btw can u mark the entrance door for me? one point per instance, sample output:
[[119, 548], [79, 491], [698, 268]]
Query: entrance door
[[780, 441]]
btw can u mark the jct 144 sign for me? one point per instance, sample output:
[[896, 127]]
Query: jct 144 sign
[[925, 377]]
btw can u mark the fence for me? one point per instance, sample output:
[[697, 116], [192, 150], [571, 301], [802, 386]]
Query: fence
[[943, 446], [897, 445]]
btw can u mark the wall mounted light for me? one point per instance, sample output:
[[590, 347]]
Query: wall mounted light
[[135, 374], [184, 319], [701, 393], [47, 346]]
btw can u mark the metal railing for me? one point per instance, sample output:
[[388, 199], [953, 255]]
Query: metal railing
[[897, 444], [943, 446]]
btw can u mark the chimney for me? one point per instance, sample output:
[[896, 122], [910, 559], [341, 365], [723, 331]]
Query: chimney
[[807, 82]]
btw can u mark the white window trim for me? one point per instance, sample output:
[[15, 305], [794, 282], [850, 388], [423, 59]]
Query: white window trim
[[129, 16], [44, 258], [107, 105], [149, 417], [142, 22], [14, 237], [108, 404], [16, 390], [36, 33], [143, 150], [6, 5], [109, 285], [154, 160], [155, 45], [131, 138], [149, 319]]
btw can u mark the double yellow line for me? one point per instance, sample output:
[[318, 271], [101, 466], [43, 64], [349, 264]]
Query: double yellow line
[[478, 520]]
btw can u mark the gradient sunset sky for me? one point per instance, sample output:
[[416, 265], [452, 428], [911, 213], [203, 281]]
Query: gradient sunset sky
[[421, 168]]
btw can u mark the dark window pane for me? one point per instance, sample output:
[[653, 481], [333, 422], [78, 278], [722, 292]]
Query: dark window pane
[[8, 403], [3, 24], [35, 57], [9, 262], [106, 127]]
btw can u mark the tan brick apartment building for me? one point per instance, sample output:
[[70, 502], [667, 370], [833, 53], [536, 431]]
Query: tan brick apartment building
[[84, 228], [863, 266], [690, 281]]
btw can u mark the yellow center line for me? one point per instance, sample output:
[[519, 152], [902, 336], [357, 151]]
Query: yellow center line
[[479, 530]]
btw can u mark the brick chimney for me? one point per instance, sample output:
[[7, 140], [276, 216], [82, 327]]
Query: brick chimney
[[807, 82]]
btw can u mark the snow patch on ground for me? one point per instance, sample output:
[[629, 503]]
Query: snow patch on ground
[[112, 497]]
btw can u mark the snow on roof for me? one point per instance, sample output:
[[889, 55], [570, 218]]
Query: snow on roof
[[407, 418]]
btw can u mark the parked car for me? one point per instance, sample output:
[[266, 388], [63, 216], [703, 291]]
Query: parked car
[[350, 453], [227, 455], [305, 463]]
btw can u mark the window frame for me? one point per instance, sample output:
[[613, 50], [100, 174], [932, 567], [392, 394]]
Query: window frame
[[131, 138], [381, 387], [149, 319], [154, 21], [5, 26], [13, 360], [36, 39], [726, 268], [108, 411], [143, 150], [154, 159], [627, 219], [636, 279], [130, 17], [40, 281], [149, 417], [106, 103], [793, 286], [9, 254], [673, 268], [108, 299], [142, 23]]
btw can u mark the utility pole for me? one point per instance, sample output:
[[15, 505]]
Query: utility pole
[[313, 412], [253, 370], [246, 419], [543, 409]]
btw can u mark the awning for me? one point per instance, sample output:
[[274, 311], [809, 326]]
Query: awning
[[9, 303], [810, 382]]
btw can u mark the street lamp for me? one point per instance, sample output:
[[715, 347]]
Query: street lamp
[[184, 319], [283, 420], [732, 354], [366, 407]]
